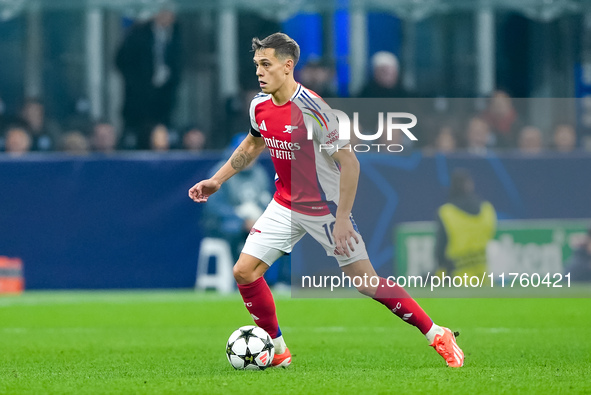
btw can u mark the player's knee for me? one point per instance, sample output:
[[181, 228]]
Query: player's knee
[[243, 275]]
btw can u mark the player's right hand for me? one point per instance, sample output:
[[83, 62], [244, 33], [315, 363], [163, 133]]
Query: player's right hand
[[201, 191]]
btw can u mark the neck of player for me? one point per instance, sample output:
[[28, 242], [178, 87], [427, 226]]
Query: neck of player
[[285, 92]]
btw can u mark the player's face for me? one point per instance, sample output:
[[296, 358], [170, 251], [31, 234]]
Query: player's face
[[271, 71]]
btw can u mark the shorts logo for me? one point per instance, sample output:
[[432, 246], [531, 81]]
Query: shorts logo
[[253, 231]]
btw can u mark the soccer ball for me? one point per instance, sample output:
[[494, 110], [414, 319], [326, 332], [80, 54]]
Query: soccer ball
[[250, 348]]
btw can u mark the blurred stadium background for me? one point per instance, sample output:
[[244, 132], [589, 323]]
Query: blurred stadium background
[[502, 88], [64, 52], [91, 200]]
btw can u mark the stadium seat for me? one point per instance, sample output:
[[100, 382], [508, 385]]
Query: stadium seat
[[222, 278]]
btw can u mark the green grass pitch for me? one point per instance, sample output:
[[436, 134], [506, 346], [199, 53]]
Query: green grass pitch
[[173, 343]]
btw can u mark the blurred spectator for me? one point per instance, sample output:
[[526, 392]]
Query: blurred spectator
[[104, 137], [18, 141], [160, 138], [465, 225], [565, 138], [237, 118], [530, 140], [79, 118], [194, 140], [579, 263], [44, 132], [74, 142], [3, 123], [231, 212], [477, 136], [318, 76], [150, 61], [3, 119], [503, 119], [384, 83], [445, 142]]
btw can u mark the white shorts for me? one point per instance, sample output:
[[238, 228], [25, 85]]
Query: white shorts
[[279, 229]]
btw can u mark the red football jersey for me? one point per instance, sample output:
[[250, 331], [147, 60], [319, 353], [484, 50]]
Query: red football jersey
[[307, 177]]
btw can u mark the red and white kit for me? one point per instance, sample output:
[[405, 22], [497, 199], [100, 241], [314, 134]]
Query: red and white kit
[[307, 179]]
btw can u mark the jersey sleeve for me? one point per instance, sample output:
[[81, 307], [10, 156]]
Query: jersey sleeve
[[254, 128], [326, 131]]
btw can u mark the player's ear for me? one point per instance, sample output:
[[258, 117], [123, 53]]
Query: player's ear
[[288, 66]]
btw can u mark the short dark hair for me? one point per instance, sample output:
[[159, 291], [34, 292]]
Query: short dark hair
[[284, 46]]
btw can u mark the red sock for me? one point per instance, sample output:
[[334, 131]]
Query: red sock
[[400, 303], [261, 306]]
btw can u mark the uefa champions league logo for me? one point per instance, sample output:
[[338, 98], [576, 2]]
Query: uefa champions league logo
[[344, 132]]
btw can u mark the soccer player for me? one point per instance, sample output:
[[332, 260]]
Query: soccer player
[[315, 192]]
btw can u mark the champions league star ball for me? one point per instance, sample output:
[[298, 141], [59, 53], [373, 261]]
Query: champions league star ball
[[250, 348]]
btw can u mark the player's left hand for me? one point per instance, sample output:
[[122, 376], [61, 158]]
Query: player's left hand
[[201, 191], [344, 234]]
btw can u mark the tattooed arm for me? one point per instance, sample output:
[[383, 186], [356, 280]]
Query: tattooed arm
[[250, 148]]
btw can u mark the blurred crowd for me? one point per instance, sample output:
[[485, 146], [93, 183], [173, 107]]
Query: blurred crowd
[[33, 131], [149, 60], [498, 127]]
